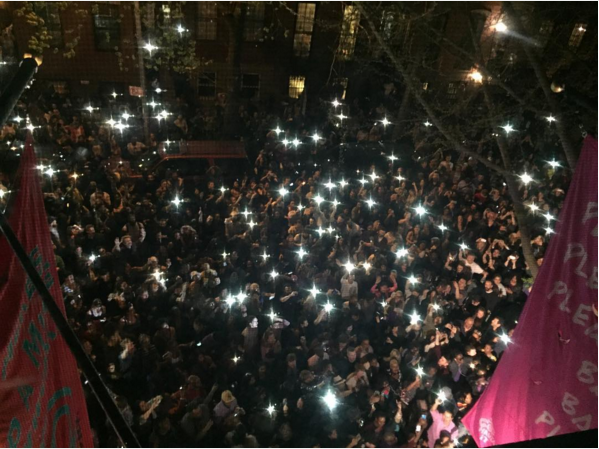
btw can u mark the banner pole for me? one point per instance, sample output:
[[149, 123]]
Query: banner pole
[[96, 383]]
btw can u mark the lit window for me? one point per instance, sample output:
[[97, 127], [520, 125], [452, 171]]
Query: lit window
[[207, 18], [250, 85], [349, 32], [60, 87], [107, 27], [304, 26], [424, 86], [207, 85], [254, 22], [577, 35], [50, 14], [296, 86], [341, 84]]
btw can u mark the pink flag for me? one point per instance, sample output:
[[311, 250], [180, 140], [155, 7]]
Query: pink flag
[[546, 381]]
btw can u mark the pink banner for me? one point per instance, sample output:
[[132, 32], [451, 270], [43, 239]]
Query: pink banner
[[546, 382]]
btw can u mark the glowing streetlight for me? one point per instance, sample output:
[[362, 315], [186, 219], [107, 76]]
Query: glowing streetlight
[[150, 47], [501, 27], [507, 128], [526, 178]]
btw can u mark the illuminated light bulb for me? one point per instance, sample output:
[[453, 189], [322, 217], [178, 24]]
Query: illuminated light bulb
[[393, 158], [526, 178], [476, 76], [150, 47], [505, 339], [270, 409], [111, 122], [554, 164], [265, 256], [341, 116], [316, 137], [507, 128], [273, 274], [349, 266], [550, 119], [318, 199], [549, 217], [330, 400], [336, 103], [413, 280], [328, 307], [370, 202], [92, 258], [420, 210], [283, 191], [236, 359], [442, 227], [427, 124], [501, 27], [419, 371], [414, 318], [301, 253], [385, 122], [402, 252], [343, 183], [176, 201], [330, 185], [126, 116], [272, 315]]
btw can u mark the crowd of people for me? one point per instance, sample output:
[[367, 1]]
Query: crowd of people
[[298, 304]]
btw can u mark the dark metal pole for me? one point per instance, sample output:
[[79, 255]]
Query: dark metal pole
[[96, 383], [15, 88]]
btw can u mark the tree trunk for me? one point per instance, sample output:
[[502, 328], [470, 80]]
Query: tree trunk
[[235, 25], [537, 66]]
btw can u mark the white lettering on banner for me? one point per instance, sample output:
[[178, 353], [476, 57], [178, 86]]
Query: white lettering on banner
[[591, 212], [583, 422], [586, 374], [576, 250], [561, 288], [486, 431], [593, 279], [592, 332], [568, 403], [546, 418], [579, 316]]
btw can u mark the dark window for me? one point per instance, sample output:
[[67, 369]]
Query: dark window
[[207, 85], [107, 27], [254, 22], [50, 14], [250, 85]]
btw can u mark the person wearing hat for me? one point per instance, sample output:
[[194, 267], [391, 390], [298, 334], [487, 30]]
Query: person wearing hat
[[226, 407]]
